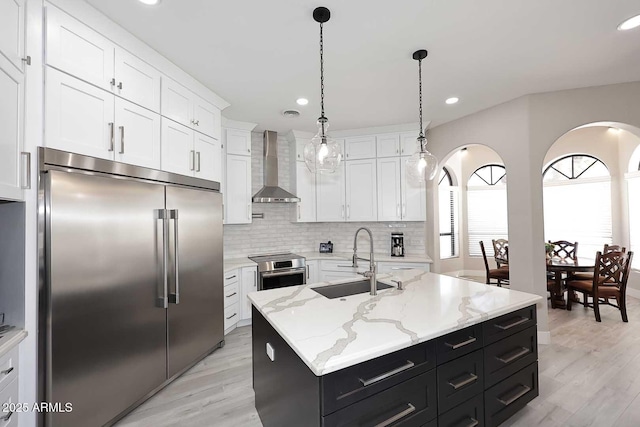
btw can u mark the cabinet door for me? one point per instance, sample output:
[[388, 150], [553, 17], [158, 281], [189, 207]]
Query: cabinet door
[[238, 142], [330, 199], [389, 204], [177, 102], [388, 145], [238, 186], [414, 197], [79, 116], [306, 191], [137, 135], [249, 284], [361, 191], [11, 130], [362, 147], [408, 143], [312, 272], [137, 81], [178, 154], [12, 31], [208, 157], [78, 50], [206, 117]]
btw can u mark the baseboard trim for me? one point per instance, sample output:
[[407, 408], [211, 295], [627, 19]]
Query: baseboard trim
[[244, 322], [544, 337], [633, 292]]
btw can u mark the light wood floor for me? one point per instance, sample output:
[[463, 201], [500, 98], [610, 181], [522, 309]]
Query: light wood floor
[[589, 376]]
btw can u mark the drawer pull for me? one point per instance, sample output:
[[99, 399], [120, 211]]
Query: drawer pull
[[467, 379], [230, 295], [7, 371], [512, 323], [230, 277], [7, 417], [512, 355], [386, 375], [232, 316], [397, 416], [506, 401], [462, 343], [472, 422]]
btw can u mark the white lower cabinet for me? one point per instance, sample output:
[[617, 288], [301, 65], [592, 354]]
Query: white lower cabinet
[[337, 270], [231, 314], [330, 196], [9, 388], [231, 295], [249, 279], [237, 206], [361, 190], [390, 267], [312, 272]]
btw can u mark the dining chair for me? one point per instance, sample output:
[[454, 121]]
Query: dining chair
[[564, 249], [609, 281], [501, 251], [607, 248], [500, 274]]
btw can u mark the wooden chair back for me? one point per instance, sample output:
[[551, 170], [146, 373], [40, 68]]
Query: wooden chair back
[[613, 248], [611, 269], [501, 251], [484, 257], [564, 249]]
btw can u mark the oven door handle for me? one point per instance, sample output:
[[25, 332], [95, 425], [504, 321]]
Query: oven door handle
[[283, 273]]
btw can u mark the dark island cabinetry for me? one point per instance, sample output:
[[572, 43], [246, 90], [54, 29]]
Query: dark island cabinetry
[[476, 376]]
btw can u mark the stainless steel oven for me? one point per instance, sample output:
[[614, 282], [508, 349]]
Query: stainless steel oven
[[280, 270]]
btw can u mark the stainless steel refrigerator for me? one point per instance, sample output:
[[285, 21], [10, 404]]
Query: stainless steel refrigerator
[[130, 283]]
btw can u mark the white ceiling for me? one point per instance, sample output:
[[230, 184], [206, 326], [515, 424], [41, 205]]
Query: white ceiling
[[261, 55]]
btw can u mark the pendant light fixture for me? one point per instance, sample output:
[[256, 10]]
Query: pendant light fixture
[[422, 165], [322, 153]]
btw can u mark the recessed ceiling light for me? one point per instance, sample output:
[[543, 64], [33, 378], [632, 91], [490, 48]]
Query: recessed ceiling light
[[452, 100], [302, 101], [149, 2], [630, 23]]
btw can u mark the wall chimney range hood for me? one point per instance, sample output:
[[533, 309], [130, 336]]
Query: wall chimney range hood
[[271, 192]]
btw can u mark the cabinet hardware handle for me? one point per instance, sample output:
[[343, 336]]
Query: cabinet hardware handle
[[27, 60], [120, 85], [403, 268], [342, 212], [472, 422], [512, 355], [230, 295], [307, 272], [112, 138], [27, 180], [386, 375], [397, 417], [255, 279], [198, 161], [403, 150], [113, 82], [397, 151], [506, 401], [193, 122], [398, 210], [232, 316], [299, 211], [197, 123], [175, 297], [7, 371], [7, 417], [348, 211], [461, 344], [248, 211], [468, 379], [512, 323], [230, 277], [248, 150], [163, 301], [192, 159], [404, 210], [121, 139]]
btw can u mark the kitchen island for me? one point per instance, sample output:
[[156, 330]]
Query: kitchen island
[[442, 351]]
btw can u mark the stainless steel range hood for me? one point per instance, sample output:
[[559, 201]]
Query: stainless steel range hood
[[271, 192]]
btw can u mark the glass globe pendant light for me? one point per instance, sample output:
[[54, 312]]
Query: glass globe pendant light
[[322, 154], [422, 165]]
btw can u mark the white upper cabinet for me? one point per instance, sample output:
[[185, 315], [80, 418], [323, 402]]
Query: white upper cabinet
[[298, 148], [206, 117], [408, 143], [361, 189], [389, 199], [187, 108], [137, 81], [305, 189], [238, 142], [78, 50], [361, 147], [238, 190], [137, 135], [414, 198], [330, 196], [178, 155], [11, 129], [12, 31], [79, 117], [208, 162], [388, 145]]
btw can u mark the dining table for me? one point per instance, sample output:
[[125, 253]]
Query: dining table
[[566, 266]]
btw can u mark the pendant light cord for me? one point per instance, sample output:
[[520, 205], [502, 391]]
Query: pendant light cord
[[421, 135], [321, 73]]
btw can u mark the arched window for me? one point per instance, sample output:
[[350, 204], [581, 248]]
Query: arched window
[[448, 205], [487, 207], [577, 202]]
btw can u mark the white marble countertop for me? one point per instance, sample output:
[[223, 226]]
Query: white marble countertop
[[234, 263], [11, 339], [332, 334]]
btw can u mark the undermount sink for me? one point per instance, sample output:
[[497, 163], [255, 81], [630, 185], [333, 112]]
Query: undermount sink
[[346, 289]]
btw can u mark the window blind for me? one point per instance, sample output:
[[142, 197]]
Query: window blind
[[448, 207], [486, 217], [633, 187]]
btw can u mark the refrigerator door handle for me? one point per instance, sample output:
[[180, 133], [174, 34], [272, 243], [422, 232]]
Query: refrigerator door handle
[[162, 301], [174, 297]]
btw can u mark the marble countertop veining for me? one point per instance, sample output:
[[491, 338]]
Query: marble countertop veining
[[10, 339], [332, 334]]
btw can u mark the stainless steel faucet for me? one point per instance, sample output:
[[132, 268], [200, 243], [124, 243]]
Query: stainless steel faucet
[[371, 274]]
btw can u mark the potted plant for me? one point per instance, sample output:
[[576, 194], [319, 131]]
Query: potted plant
[[548, 248]]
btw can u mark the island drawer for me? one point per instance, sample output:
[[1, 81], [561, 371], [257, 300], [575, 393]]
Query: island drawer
[[8, 368], [508, 356], [459, 380], [503, 326], [230, 277], [231, 294], [467, 414], [410, 404], [458, 343], [349, 385], [509, 396]]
